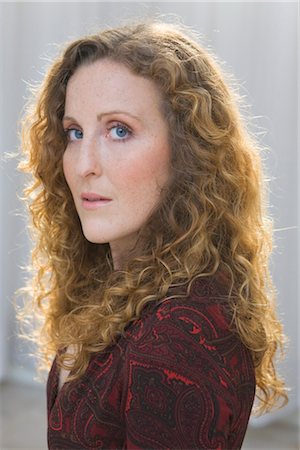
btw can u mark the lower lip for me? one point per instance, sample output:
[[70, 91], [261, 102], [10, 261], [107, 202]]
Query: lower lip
[[90, 205]]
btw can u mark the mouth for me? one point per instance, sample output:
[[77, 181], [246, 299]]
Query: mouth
[[92, 201], [93, 197]]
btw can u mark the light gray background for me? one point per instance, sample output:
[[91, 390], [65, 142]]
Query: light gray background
[[258, 44]]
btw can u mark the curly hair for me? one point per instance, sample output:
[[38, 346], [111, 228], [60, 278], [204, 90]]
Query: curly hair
[[211, 219]]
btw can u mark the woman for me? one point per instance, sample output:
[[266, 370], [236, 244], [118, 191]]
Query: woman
[[152, 249]]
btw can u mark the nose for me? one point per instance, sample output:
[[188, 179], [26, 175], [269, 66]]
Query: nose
[[89, 161]]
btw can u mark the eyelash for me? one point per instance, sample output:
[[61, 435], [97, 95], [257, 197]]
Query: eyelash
[[121, 125], [68, 130], [115, 125]]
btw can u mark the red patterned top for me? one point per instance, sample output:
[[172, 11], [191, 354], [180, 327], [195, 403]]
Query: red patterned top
[[177, 379]]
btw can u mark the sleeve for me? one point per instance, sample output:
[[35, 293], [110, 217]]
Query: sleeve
[[189, 382]]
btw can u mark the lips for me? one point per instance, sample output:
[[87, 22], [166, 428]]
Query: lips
[[91, 201], [91, 197]]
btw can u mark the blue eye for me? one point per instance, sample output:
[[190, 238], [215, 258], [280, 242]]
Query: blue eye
[[74, 134], [120, 132]]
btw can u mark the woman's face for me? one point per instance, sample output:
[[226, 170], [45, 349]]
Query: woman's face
[[117, 159]]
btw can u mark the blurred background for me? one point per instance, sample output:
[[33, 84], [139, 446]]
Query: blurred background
[[257, 43]]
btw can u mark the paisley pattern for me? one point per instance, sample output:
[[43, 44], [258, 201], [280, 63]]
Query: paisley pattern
[[178, 379]]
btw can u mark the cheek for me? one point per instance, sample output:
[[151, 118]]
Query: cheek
[[67, 169], [145, 170], [146, 174]]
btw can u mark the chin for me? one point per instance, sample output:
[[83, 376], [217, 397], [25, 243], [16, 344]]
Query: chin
[[95, 240], [94, 237]]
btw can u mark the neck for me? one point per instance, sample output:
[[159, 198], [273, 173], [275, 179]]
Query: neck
[[121, 249]]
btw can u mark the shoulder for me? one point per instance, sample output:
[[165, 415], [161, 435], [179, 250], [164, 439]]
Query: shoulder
[[201, 312], [192, 332], [188, 374]]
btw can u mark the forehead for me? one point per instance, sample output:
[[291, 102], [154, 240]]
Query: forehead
[[108, 83]]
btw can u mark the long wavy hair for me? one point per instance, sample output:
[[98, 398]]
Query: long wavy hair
[[212, 218]]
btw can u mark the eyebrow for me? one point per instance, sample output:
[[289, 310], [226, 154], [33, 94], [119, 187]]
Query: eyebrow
[[100, 116]]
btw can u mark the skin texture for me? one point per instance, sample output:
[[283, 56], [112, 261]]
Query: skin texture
[[118, 147]]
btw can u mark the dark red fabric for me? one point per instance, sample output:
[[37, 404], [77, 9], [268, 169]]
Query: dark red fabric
[[178, 379]]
